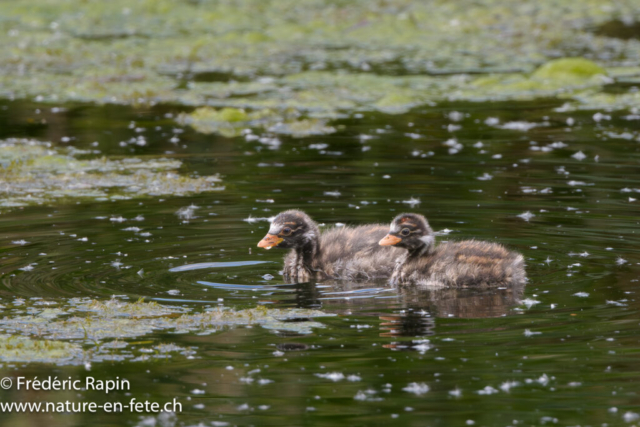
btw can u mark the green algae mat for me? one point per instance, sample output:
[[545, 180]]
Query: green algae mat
[[278, 60]]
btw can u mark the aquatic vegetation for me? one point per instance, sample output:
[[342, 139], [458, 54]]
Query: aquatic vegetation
[[566, 78], [569, 69], [231, 122], [35, 172], [24, 349], [593, 100], [37, 334], [316, 58]]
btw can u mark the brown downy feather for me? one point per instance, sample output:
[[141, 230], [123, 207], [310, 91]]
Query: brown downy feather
[[469, 263], [349, 253]]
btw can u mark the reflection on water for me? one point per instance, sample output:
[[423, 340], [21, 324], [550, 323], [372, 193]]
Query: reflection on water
[[466, 303], [561, 188], [409, 323], [202, 265]]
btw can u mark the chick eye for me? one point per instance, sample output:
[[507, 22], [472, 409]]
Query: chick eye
[[286, 231], [405, 232]]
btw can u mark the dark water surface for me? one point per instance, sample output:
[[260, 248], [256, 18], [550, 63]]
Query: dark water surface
[[563, 351]]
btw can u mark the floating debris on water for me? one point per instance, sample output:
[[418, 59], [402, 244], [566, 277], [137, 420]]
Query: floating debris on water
[[543, 380], [232, 122], [417, 388], [616, 303], [413, 202], [333, 376], [508, 385], [251, 219], [526, 216], [24, 350], [187, 213], [523, 126], [579, 156], [311, 77], [487, 391], [92, 322], [530, 302], [456, 392], [35, 173]]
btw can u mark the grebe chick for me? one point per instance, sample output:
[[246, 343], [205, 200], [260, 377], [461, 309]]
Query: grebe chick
[[469, 263], [340, 252]]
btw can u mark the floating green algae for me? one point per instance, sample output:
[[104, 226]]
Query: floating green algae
[[604, 101], [231, 122], [564, 77], [388, 56], [24, 349], [327, 95], [98, 330], [569, 69], [35, 172]]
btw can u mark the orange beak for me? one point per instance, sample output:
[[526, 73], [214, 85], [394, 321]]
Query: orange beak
[[389, 240], [269, 241]]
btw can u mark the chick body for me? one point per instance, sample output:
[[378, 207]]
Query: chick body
[[347, 253], [463, 264], [468, 263]]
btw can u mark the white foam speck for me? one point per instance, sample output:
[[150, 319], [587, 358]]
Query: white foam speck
[[579, 156], [187, 213], [416, 388], [333, 376], [488, 390], [530, 302], [508, 385], [526, 216], [456, 392], [522, 126], [251, 219], [413, 202], [360, 395]]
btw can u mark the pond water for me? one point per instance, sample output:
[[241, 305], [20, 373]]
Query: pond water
[[560, 187]]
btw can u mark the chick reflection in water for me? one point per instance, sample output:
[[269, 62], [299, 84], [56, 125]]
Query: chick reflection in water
[[426, 306]]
